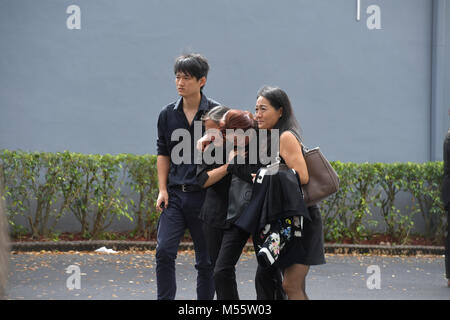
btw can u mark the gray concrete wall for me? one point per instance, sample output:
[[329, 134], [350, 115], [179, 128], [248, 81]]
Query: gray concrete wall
[[440, 103], [361, 94]]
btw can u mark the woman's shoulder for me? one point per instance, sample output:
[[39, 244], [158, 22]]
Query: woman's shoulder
[[290, 143], [289, 137], [288, 133]]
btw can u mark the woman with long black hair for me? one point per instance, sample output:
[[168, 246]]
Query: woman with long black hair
[[274, 111]]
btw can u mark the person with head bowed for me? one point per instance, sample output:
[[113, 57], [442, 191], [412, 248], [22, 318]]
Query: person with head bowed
[[229, 185]]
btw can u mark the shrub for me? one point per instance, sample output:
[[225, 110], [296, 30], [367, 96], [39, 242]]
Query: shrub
[[392, 179], [43, 187], [424, 182], [366, 188], [144, 181]]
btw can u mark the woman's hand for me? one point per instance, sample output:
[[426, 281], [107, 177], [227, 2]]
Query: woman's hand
[[231, 155], [237, 152]]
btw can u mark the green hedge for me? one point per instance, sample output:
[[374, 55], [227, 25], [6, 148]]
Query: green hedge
[[42, 187], [96, 189], [372, 189]]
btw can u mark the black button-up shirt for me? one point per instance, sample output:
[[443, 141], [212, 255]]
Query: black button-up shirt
[[172, 117], [215, 208]]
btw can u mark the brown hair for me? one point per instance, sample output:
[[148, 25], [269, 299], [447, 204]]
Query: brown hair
[[237, 119]]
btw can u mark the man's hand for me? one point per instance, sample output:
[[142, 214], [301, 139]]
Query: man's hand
[[163, 199], [163, 166]]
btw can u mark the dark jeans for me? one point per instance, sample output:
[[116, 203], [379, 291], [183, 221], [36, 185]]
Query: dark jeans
[[233, 241], [213, 236], [447, 246], [225, 247], [181, 214]]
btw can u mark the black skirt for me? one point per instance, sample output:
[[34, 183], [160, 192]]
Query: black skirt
[[308, 249]]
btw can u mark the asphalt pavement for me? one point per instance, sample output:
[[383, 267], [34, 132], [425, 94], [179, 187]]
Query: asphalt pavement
[[130, 275]]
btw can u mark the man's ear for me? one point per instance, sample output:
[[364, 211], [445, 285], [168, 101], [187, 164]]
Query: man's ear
[[202, 81]]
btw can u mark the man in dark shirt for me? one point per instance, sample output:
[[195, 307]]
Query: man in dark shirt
[[446, 201], [180, 197]]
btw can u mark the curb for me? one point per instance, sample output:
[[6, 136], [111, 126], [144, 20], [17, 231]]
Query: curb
[[119, 245], [403, 250]]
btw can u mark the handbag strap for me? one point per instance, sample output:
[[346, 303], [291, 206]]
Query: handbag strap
[[304, 148]]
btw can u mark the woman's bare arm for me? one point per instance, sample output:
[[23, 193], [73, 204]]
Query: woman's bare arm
[[291, 152]]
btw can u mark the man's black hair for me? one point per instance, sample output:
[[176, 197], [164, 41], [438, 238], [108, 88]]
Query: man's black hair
[[192, 64]]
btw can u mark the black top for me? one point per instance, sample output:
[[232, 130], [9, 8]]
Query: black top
[[241, 186], [172, 117], [276, 194], [214, 209], [446, 182], [242, 167]]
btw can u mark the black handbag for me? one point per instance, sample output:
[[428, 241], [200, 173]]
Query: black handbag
[[239, 196]]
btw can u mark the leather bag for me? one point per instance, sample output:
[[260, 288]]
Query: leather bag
[[323, 179]]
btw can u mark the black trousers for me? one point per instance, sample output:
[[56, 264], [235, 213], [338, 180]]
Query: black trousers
[[213, 236], [182, 213], [447, 245], [225, 248]]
